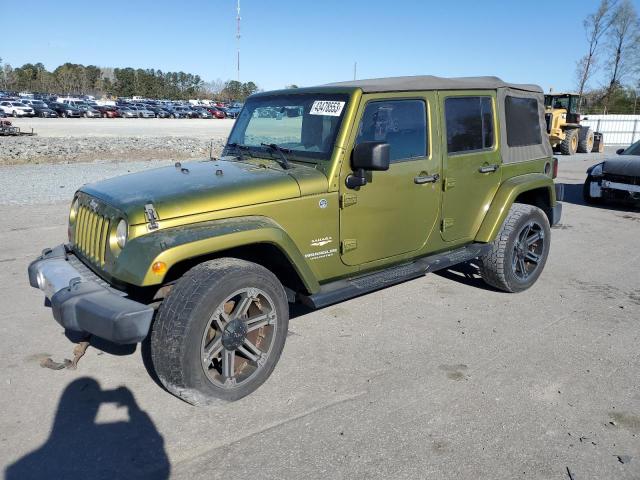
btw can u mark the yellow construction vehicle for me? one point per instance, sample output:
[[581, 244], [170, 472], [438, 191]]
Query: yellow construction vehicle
[[566, 134]]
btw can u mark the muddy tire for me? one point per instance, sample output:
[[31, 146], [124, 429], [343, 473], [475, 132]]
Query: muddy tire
[[519, 251], [220, 331], [569, 146], [585, 140]]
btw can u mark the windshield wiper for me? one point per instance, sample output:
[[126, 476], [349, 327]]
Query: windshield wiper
[[238, 147], [281, 151]]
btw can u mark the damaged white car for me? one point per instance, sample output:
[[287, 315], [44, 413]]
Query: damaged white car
[[616, 179]]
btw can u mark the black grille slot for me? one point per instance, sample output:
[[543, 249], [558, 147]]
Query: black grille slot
[[91, 232], [622, 179]]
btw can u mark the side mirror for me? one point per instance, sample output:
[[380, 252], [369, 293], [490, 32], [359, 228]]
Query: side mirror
[[368, 156], [620, 151]]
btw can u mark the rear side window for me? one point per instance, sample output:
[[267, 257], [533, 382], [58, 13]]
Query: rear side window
[[400, 123], [469, 124], [523, 122]]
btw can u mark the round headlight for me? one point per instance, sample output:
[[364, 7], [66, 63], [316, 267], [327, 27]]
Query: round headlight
[[73, 213], [597, 171], [121, 233]]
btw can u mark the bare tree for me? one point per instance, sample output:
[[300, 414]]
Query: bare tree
[[596, 26], [622, 46]]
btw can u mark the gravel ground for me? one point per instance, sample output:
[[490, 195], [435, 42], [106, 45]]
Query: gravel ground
[[37, 184], [436, 378], [87, 140]]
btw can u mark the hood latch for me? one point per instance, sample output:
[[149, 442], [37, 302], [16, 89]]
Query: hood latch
[[152, 216]]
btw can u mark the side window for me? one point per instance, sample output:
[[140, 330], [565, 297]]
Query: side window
[[400, 123], [523, 121], [469, 124]]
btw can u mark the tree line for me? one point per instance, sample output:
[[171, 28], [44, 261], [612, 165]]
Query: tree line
[[613, 56], [76, 79]]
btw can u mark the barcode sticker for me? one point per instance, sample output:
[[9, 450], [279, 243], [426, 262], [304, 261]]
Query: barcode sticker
[[327, 107]]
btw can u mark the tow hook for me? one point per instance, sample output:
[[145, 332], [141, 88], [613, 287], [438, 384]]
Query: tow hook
[[78, 351]]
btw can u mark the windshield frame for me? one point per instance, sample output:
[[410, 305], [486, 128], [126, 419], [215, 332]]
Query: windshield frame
[[323, 158]]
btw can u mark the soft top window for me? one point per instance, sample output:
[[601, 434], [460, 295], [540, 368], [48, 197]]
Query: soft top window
[[523, 122], [469, 122]]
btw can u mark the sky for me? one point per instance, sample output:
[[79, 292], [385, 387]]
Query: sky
[[307, 42]]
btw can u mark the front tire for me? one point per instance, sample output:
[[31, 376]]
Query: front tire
[[519, 251], [220, 332]]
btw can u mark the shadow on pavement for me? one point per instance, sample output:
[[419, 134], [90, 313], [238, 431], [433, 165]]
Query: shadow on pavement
[[467, 274], [573, 194], [78, 447]]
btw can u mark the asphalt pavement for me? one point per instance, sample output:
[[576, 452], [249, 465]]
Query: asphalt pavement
[[439, 378]]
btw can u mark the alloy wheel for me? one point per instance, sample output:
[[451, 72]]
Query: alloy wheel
[[238, 338], [528, 250]]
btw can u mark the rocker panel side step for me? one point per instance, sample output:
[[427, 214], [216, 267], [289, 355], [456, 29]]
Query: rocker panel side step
[[339, 290]]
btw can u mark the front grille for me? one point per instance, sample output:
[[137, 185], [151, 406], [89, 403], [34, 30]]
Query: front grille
[[628, 180], [91, 232]]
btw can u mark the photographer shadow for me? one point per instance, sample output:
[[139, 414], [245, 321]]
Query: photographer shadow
[[78, 447]]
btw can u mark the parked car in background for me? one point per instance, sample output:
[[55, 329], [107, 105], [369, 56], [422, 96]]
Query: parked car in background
[[186, 111], [16, 109], [617, 179], [233, 112], [126, 112], [144, 112], [200, 112], [65, 111], [178, 112], [216, 112], [108, 111], [42, 110], [91, 112], [159, 112]]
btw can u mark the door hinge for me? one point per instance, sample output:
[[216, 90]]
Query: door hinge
[[348, 244], [348, 199], [449, 183], [447, 223]]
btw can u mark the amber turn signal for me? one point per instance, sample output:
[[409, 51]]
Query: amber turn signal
[[159, 268]]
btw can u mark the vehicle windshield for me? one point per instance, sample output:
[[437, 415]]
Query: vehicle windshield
[[634, 149], [305, 124]]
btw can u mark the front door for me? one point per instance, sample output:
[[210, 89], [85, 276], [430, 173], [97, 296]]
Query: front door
[[472, 161], [395, 212]]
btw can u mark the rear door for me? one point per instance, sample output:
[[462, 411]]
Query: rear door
[[472, 163]]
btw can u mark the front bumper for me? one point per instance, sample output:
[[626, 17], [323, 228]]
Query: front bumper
[[82, 302]]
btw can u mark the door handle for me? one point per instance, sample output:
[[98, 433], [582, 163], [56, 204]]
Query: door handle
[[420, 179], [488, 168]]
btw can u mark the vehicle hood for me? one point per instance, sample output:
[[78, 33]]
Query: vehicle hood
[[205, 186], [628, 165]]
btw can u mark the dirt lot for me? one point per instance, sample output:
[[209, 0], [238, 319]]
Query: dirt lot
[[76, 140], [436, 378], [127, 127]]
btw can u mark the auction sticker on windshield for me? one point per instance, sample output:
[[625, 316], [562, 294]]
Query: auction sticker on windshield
[[327, 107]]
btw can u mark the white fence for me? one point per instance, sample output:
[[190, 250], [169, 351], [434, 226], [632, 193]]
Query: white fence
[[617, 129]]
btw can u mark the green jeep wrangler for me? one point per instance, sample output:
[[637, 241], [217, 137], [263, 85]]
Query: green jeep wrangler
[[320, 195]]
